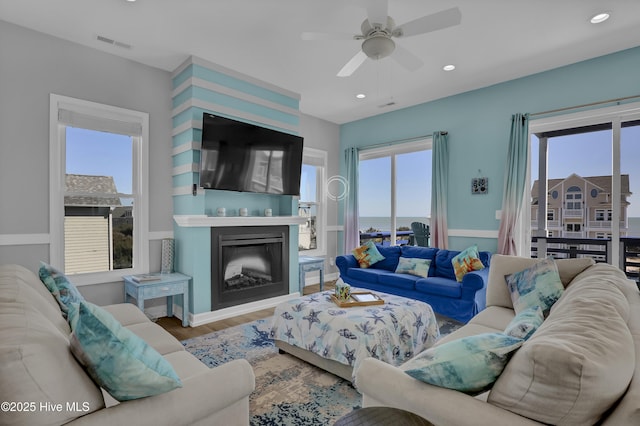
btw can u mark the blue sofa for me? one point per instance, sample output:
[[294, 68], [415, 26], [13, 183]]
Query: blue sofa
[[457, 300]]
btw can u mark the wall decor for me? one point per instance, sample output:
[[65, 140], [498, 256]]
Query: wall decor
[[479, 185]]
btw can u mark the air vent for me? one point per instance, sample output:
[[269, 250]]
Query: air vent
[[113, 42], [388, 104]]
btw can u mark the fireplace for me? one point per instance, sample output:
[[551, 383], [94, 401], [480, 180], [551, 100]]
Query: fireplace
[[248, 263]]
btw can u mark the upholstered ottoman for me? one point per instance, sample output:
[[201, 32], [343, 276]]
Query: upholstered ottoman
[[337, 339]]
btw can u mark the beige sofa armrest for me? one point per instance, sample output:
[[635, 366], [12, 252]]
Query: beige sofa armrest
[[200, 397], [382, 384]]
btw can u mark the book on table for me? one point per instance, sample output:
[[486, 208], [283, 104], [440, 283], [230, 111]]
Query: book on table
[[364, 297], [145, 277]]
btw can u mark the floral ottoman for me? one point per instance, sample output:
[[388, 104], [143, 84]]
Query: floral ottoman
[[337, 339]]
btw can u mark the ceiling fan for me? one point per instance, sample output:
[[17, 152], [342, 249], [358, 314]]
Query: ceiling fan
[[379, 30]]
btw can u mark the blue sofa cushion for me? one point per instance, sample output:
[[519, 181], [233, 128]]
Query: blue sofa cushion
[[444, 267], [440, 286], [367, 274], [405, 281], [391, 255], [421, 253]]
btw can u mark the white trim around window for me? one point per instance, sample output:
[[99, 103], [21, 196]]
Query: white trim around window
[[318, 158], [69, 111]]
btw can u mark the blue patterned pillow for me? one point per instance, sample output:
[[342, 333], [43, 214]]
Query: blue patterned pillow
[[413, 266], [60, 287], [367, 254], [538, 285], [117, 359], [470, 364], [525, 323]]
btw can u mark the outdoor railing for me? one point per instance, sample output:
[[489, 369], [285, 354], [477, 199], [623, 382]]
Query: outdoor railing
[[597, 248], [384, 237]]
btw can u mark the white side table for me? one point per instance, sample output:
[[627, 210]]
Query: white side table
[[168, 285], [308, 264]]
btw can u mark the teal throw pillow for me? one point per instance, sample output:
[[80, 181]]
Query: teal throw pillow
[[64, 291], [117, 359], [525, 323], [470, 364], [413, 266], [538, 285], [367, 254], [466, 261]]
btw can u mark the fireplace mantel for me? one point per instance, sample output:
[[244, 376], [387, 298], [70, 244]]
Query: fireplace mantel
[[204, 221]]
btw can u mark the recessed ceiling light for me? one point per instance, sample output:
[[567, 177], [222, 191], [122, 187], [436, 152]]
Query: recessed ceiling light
[[361, 96], [449, 67], [600, 17]]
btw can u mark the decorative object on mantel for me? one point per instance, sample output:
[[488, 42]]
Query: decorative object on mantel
[[244, 212], [268, 212], [480, 184], [222, 212], [167, 256]]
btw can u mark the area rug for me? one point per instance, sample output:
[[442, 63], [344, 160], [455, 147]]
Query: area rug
[[289, 392]]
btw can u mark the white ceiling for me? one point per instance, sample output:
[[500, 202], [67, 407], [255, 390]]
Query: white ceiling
[[498, 40]]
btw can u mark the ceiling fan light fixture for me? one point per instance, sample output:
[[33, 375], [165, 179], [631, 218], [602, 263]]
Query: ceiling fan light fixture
[[378, 47], [600, 17]]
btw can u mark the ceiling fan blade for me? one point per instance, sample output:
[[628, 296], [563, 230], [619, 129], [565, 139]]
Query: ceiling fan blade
[[437, 21], [406, 59], [353, 64], [327, 36], [377, 12]]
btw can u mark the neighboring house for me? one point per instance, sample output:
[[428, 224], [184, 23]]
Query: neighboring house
[[581, 207], [88, 208]]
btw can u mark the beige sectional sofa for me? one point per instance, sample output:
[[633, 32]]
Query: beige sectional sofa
[[582, 366], [41, 383]]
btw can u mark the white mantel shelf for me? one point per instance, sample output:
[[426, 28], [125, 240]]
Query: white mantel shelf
[[205, 221]]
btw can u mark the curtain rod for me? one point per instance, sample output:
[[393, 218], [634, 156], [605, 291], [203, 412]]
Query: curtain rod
[[585, 105], [413, 139]]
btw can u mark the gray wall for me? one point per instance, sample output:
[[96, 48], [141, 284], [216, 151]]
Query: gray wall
[[324, 135], [33, 65]]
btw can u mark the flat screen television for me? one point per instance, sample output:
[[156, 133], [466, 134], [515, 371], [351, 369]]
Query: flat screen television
[[238, 156]]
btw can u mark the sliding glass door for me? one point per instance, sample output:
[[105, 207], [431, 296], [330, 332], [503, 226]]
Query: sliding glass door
[[584, 174], [394, 190]]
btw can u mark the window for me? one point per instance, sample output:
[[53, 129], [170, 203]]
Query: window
[[98, 190], [573, 198], [551, 214], [394, 189], [573, 227], [312, 205], [603, 215], [598, 148]]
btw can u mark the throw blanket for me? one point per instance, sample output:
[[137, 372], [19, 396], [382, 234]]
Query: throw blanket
[[393, 332]]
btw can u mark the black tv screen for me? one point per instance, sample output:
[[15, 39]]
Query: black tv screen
[[237, 156]]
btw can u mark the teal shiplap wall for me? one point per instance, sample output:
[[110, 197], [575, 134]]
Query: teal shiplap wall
[[200, 86], [479, 123]]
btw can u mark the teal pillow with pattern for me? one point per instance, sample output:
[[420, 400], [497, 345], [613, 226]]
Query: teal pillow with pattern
[[413, 266], [367, 254], [470, 364], [538, 285], [117, 359], [64, 291], [525, 323]]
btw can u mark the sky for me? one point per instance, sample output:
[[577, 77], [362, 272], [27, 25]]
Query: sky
[[90, 152]]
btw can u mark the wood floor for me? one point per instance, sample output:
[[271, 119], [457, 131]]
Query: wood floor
[[174, 326]]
